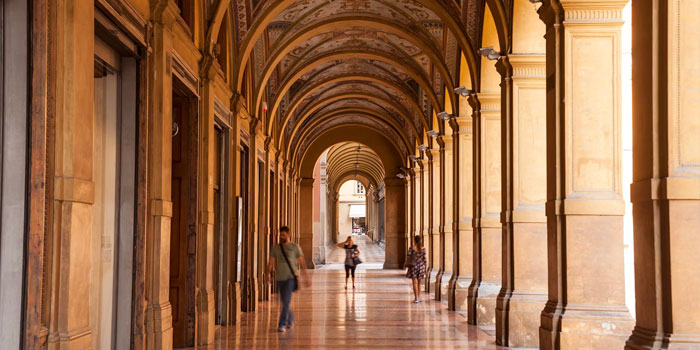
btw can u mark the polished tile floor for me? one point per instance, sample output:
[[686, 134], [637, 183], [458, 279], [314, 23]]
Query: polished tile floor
[[378, 314]]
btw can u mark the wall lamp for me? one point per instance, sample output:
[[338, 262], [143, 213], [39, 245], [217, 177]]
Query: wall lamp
[[462, 91], [432, 133], [489, 53], [445, 116], [415, 159], [401, 176], [422, 148]]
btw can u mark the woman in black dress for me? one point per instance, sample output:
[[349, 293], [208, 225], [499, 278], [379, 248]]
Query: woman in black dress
[[351, 253], [416, 262]]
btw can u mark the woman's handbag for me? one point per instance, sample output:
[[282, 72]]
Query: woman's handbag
[[410, 261], [356, 261], [296, 280]]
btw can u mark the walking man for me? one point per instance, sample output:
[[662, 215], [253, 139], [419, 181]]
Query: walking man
[[287, 259]]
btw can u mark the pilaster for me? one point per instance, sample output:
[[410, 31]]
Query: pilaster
[[448, 195], [665, 191], [306, 220], [586, 299], [74, 189], [158, 314], [395, 219], [489, 229], [524, 279], [462, 269]]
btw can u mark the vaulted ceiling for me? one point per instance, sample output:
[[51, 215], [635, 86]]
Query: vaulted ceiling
[[382, 64]]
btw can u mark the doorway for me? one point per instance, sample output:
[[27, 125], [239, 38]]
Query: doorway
[[114, 175], [183, 227]]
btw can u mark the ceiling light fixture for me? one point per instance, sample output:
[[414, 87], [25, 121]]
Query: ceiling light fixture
[[462, 91], [444, 115], [489, 53]]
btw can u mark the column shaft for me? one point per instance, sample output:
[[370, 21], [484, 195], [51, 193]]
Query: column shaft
[[666, 161], [524, 279], [586, 299], [489, 229], [395, 223], [462, 232]]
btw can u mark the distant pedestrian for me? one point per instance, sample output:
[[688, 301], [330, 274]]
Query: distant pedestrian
[[416, 263], [352, 259], [287, 260]]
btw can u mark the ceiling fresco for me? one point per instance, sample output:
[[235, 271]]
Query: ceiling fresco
[[385, 63]]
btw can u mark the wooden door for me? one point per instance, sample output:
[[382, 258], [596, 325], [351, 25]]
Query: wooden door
[[183, 224]]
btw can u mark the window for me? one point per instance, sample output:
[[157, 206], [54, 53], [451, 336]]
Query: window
[[359, 189]]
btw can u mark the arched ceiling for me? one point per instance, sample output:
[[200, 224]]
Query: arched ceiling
[[384, 64], [352, 158]]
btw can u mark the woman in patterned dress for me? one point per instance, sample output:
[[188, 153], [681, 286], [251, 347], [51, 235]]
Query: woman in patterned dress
[[416, 263]]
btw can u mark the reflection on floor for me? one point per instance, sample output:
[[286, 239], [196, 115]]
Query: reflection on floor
[[378, 314]]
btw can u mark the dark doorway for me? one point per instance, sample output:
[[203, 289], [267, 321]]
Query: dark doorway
[[184, 221]]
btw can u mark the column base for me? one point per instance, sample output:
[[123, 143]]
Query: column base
[[644, 339], [233, 294], [585, 327], [428, 281], [80, 338], [458, 293], [518, 318], [445, 287], [437, 283], [485, 303], [249, 298], [159, 326], [263, 290], [206, 317]]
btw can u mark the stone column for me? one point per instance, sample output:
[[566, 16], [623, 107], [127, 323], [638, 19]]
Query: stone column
[[434, 228], [461, 214], [204, 285], [586, 301], [74, 188], [306, 219], [250, 239], [410, 208], [263, 226], [666, 187], [476, 208], [448, 218], [319, 252], [484, 293], [395, 222], [523, 128]]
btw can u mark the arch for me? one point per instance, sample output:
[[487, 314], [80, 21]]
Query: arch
[[312, 127], [383, 147], [366, 21], [355, 111], [500, 15], [351, 95], [448, 15], [339, 79], [349, 176], [287, 84]]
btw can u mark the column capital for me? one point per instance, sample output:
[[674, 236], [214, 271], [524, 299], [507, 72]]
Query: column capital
[[463, 125], [489, 101], [528, 66]]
